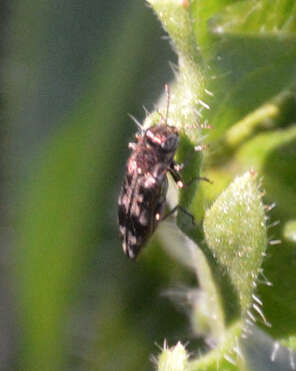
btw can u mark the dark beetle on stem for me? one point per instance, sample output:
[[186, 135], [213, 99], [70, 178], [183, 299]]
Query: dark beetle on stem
[[142, 198]]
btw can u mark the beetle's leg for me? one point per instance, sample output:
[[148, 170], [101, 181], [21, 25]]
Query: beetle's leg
[[171, 212], [174, 170], [198, 178]]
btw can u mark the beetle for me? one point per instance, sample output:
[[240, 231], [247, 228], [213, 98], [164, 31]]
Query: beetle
[[142, 198]]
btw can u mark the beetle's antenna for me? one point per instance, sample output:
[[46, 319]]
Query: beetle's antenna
[[136, 122], [167, 90]]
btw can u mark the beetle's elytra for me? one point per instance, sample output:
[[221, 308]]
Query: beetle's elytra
[[142, 198]]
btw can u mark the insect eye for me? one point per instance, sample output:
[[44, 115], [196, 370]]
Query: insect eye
[[170, 144]]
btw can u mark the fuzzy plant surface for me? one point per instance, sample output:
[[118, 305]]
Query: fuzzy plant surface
[[234, 97]]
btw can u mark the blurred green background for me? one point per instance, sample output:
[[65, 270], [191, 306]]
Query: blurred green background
[[71, 71]]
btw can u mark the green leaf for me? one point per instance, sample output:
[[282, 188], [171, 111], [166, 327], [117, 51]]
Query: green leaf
[[235, 232], [273, 154], [251, 56]]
